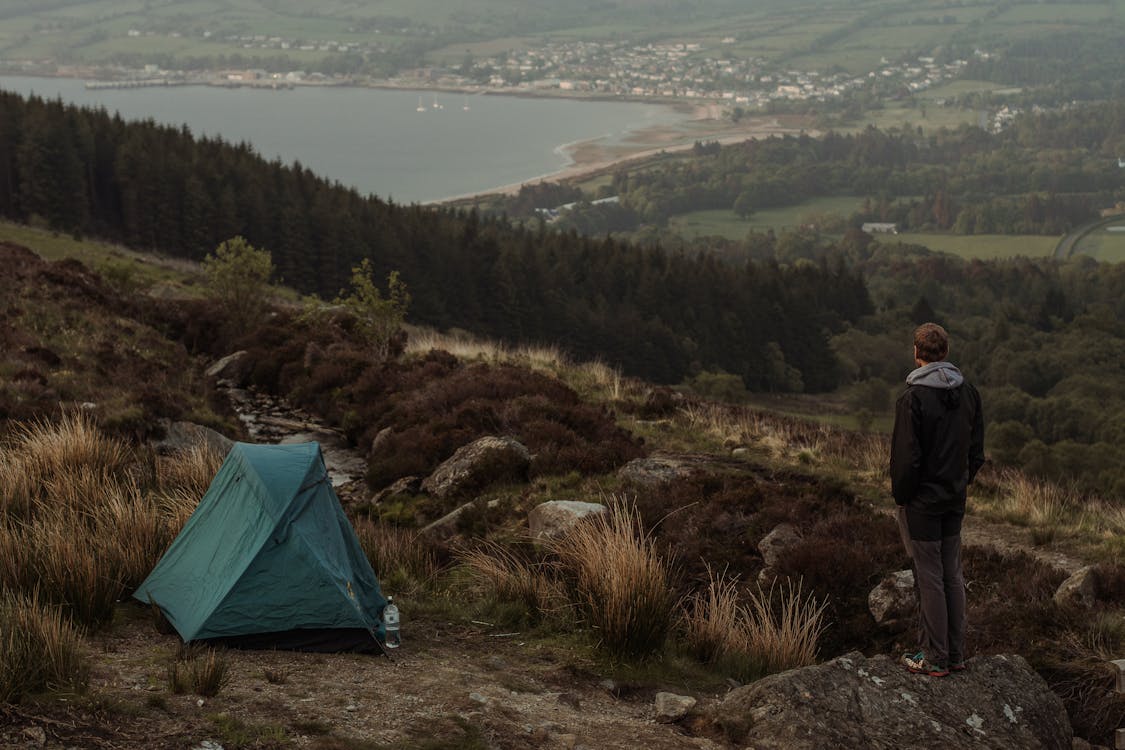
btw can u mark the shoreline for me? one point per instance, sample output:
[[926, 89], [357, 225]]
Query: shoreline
[[589, 159], [701, 121]]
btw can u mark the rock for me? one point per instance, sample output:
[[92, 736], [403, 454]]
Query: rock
[[481, 462], [554, 518], [853, 701], [231, 367], [404, 486], [656, 469], [181, 436], [773, 544], [894, 597], [671, 707], [1081, 589], [446, 526]]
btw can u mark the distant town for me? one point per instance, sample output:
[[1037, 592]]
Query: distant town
[[683, 71]]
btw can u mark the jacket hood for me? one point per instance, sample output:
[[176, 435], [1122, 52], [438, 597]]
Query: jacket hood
[[936, 375]]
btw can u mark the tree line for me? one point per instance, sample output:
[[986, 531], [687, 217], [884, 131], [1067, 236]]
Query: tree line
[[660, 315]]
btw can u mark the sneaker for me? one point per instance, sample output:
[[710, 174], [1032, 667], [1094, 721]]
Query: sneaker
[[919, 664], [956, 665]]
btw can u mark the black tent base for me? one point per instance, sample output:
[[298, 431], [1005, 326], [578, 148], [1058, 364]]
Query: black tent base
[[319, 640]]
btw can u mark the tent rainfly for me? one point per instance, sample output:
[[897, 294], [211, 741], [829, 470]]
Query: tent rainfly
[[269, 560]]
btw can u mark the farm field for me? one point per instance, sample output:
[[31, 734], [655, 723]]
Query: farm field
[[726, 223]]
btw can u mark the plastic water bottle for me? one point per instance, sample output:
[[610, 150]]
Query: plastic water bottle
[[390, 622]]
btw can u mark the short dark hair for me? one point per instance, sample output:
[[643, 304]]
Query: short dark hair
[[932, 342]]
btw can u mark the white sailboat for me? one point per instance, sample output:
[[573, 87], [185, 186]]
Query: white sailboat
[[465, 106], [436, 105], [421, 107]]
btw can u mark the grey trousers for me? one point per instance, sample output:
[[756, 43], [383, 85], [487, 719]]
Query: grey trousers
[[939, 583]]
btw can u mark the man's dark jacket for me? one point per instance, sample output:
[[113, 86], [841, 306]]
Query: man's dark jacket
[[938, 442]]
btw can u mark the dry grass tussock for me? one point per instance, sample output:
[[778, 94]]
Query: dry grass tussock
[[606, 569], [402, 559], [1029, 501], [39, 649], [618, 580], [84, 523], [769, 633], [202, 671], [510, 578]]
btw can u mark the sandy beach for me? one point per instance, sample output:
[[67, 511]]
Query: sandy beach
[[595, 156]]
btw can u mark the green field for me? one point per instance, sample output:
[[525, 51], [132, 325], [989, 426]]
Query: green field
[[984, 246], [1104, 245], [724, 223]]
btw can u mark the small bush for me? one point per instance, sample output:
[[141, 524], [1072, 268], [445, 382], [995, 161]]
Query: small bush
[[619, 581], [39, 650]]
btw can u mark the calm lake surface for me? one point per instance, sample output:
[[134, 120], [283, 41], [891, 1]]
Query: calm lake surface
[[377, 140]]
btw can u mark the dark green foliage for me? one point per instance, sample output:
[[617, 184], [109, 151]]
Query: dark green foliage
[[656, 314], [1044, 174]]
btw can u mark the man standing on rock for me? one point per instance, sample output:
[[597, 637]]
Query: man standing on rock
[[936, 450]]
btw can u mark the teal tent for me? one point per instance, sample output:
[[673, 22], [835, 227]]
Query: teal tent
[[269, 560]]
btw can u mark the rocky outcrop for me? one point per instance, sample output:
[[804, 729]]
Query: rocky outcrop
[[894, 598], [181, 436], [231, 367], [554, 518], [852, 701], [478, 464], [1080, 589]]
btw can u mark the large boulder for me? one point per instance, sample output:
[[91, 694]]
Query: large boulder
[[480, 463], [853, 701], [554, 518], [894, 598], [232, 367], [181, 436]]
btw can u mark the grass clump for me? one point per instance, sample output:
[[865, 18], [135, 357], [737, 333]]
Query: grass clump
[[402, 559], [509, 578], [768, 633], [39, 649], [84, 520], [618, 580], [202, 671]]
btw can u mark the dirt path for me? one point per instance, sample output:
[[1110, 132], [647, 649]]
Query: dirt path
[[451, 681]]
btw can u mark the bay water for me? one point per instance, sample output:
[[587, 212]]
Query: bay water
[[409, 146]]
